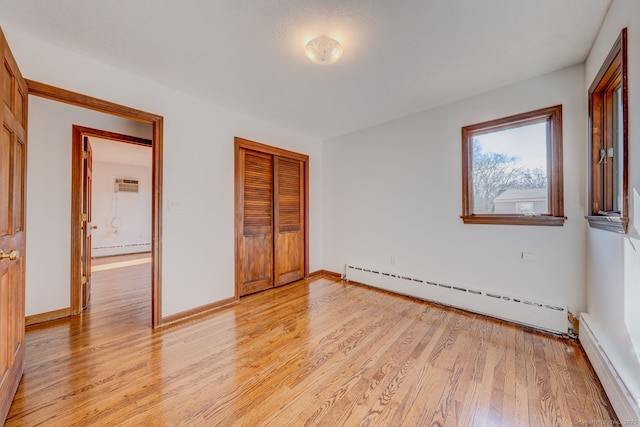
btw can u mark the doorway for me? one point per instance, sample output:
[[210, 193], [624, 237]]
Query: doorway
[[83, 101], [115, 203]]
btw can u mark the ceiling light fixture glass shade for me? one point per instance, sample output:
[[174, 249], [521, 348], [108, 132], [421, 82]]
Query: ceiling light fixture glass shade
[[323, 50]]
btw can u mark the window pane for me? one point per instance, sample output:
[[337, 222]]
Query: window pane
[[618, 151], [509, 171], [609, 136]]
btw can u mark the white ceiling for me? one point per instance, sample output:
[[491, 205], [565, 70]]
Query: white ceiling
[[400, 56], [106, 150]]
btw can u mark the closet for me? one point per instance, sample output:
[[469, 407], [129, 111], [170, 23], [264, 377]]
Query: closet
[[271, 216]]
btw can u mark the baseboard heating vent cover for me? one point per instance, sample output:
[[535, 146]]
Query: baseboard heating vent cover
[[540, 315], [626, 406]]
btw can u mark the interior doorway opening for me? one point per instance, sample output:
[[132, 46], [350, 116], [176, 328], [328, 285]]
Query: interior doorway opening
[[142, 117], [116, 208]]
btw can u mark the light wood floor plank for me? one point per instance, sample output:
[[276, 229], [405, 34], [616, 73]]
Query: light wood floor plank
[[319, 352]]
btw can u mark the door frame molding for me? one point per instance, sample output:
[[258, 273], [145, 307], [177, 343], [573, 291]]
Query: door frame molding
[[84, 101], [241, 143], [77, 184]]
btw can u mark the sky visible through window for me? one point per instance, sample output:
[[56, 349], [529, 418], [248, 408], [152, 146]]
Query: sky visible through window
[[528, 143], [509, 170]]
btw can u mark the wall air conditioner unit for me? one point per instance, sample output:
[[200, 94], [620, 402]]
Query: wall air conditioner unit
[[127, 185]]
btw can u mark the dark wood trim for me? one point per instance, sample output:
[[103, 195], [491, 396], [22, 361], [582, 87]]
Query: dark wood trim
[[614, 71], [76, 221], [618, 46], [551, 115], [47, 317], [156, 231], [274, 151], [84, 101], [117, 137], [306, 216], [555, 163], [514, 219], [325, 273], [198, 312], [241, 143], [237, 209]]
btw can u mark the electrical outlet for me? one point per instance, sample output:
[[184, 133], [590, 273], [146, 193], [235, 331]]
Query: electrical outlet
[[394, 260], [527, 256]]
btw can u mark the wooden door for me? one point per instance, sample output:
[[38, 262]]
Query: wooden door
[[87, 182], [271, 216], [255, 208], [289, 220], [13, 151]]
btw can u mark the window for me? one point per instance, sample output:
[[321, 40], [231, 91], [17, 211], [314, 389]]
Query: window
[[512, 170], [608, 134]]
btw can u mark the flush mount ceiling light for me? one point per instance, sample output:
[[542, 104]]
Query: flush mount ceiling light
[[323, 50]]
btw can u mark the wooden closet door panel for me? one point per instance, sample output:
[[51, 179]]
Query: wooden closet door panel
[[289, 220], [256, 224]]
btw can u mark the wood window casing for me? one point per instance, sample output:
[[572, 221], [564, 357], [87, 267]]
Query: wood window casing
[[608, 211], [555, 217]]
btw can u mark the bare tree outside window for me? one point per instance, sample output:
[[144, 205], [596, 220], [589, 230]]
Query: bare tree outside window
[[512, 170], [510, 162]]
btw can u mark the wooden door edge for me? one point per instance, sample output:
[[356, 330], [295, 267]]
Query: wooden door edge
[[76, 219], [238, 196]]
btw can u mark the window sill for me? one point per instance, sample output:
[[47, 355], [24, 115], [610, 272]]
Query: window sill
[[616, 224], [514, 219]]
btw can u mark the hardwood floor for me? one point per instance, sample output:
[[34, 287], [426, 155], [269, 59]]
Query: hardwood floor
[[109, 263], [317, 352], [116, 259]]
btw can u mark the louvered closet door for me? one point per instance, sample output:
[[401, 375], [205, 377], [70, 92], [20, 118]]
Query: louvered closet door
[[289, 220], [255, 246]]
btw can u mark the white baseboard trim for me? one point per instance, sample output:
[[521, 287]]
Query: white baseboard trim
[[126, 249], [626, 407]]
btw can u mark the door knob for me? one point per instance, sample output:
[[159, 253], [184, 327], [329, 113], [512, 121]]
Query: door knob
[[12, 255], [94, 227]]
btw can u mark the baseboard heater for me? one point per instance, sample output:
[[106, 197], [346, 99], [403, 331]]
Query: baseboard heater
[[627, 407], [545, 316]]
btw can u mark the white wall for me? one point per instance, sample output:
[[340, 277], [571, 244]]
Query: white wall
[[48, 278], [613, 260], [198, 240], [395, 190], [132, 210]]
